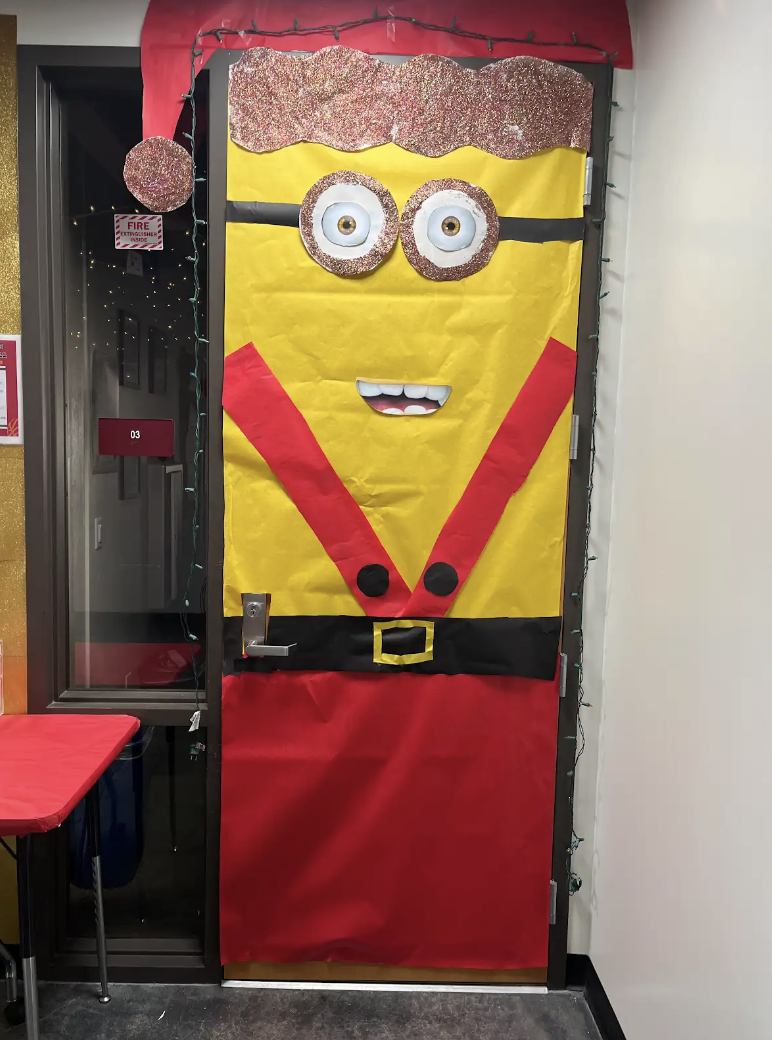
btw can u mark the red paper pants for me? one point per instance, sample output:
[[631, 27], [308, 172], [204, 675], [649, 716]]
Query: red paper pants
[[390, 819]]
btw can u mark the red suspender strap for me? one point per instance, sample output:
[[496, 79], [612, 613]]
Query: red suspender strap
[[501, 473], [264, 413], [262, 410]]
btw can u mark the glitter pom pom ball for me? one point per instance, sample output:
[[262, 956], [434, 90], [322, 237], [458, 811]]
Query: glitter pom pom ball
[[159, 173]]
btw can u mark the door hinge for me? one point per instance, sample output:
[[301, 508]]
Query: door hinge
[[553, 902], [563, 673], [588, 181], [573, 444]]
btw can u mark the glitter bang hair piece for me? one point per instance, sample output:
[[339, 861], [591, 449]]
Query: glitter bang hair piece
[[430, 105]]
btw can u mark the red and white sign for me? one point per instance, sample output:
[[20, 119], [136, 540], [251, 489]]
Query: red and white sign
[[139, 231], [10, 390], [136, 437]]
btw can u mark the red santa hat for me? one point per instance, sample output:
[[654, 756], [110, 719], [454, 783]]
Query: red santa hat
[[158, 170]]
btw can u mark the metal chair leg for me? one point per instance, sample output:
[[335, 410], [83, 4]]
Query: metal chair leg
[[26, 912], [95, 847]]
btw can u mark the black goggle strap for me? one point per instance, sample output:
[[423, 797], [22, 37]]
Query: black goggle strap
[[511, 229]]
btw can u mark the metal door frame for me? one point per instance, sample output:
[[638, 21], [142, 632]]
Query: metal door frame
[[41, 71], [600, 75]]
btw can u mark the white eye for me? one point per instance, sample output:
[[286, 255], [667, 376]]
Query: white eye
[[441, 219], [451, 228], [348, 222], [340, 216]]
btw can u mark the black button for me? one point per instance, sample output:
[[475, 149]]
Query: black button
[[440, 579], [373, 580]]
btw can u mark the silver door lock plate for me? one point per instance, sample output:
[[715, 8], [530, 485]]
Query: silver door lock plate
[[255, 608]]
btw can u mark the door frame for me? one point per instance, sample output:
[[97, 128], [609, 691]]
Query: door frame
[[41, 70], [601, 76], [579, 490]]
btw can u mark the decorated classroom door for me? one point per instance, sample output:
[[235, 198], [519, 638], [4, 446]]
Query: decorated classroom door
[[402, 281]]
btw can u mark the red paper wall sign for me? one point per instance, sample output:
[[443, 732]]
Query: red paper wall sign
[[139, 231], [10, 390], [136, 437]]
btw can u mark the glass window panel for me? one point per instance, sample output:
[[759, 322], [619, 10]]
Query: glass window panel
[[152, 803], [129, 355]]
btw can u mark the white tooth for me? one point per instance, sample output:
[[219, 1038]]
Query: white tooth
[[368, 389], [393, 389], [444, 395], [437, 393], [392, 411], [415, 409], [415, 390]]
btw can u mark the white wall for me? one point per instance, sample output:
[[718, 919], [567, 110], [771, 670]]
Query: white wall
[[682, 929], [77, 23], [614, 247]]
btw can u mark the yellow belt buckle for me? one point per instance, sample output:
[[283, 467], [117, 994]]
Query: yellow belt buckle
[[379, 657]]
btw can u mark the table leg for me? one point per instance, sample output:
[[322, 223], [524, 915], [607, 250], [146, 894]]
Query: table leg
[[10, 974], [26, 914], [95, 847], [172, 786]]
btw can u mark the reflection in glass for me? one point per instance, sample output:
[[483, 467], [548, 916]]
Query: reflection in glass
[[129, 354], [152, 814]]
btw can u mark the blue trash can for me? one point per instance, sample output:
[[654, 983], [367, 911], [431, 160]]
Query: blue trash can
[[121, 793]]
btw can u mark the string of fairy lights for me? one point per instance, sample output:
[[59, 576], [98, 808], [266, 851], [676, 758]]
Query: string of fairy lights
[[574, 880], [156, 281], [220, 34], [196, 747], [164, 285]]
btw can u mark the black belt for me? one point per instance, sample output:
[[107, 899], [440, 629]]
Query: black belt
[[526, 647]]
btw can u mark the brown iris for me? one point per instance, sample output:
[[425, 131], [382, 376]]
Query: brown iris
[[347, 225], [451, 226]]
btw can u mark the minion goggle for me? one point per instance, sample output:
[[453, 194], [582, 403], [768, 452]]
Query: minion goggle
[[449, 229]]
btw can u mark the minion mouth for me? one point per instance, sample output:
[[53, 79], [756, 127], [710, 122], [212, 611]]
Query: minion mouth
[[403, 398]]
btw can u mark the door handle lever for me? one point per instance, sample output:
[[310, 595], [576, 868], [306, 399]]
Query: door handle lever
[[255, 607]]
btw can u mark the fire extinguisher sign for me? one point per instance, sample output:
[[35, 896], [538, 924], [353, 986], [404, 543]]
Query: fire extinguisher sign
[[139, 231]]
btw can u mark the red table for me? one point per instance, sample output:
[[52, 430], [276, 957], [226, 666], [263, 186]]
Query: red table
[[47, 764]]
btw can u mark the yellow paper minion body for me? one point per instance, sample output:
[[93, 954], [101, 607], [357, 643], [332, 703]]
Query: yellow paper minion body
[[404, 295]]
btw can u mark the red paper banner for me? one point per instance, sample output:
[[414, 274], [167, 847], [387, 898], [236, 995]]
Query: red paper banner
[[171, 26], [387, 819], [511, 456], [282, 436]]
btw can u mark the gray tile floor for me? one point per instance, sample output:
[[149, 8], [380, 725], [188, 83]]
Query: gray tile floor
[[198, 1012]]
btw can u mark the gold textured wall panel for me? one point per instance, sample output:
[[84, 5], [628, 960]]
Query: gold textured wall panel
[[13, 630], [13, 607]]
